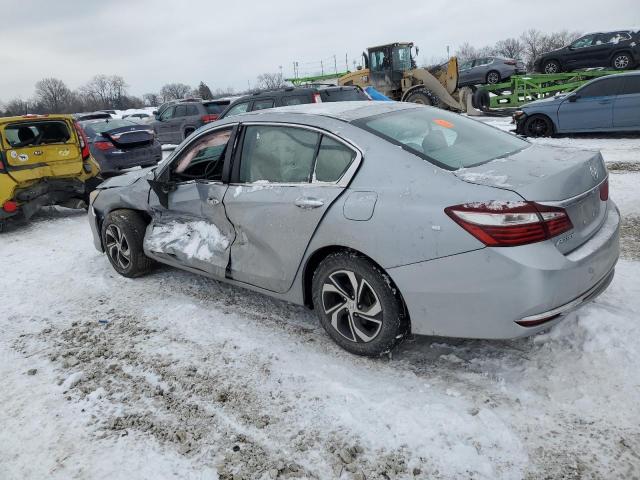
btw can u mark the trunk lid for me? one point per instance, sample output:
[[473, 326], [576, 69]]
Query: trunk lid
[[40, 148], [130, 136], [563, 177]]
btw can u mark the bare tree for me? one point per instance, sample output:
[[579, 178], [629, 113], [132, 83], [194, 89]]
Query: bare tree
[[174, 91], [151, 99], [16, 106], [104, 91], [53, 95], [509, 47], [271, 81]]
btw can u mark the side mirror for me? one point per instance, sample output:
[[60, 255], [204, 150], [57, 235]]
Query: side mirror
[[151, 174], [573, 98]]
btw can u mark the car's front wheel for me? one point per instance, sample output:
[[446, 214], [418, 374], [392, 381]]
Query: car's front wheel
[[357, 305], [621, 61], [538, 126], [122, 238]]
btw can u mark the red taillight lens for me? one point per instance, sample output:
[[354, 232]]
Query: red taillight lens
[[509, 62], [604, 190], [104, 145], [209, 118], [508, 224], [317, 98], [84, 141], [10, 206]]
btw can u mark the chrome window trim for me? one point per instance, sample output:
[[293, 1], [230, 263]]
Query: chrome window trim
[[343, 181]]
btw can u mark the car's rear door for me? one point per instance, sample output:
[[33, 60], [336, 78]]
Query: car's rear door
[[591, 107], [626, 107], [163, 125], [189, 224], [285, 179]]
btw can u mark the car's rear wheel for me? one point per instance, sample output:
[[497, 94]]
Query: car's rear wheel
[[551, 66], [357, 305], [538, 126], [493, 77], [621, 61], [122, 238]]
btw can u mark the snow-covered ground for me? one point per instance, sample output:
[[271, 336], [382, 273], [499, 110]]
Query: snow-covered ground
[[176, 376]]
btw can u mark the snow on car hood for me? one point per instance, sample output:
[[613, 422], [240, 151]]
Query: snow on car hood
[[125, 179]]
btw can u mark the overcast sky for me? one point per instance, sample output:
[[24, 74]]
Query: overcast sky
[[153, 42]]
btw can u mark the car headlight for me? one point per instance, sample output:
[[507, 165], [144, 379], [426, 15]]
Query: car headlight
[[92, 196], [518, 114]]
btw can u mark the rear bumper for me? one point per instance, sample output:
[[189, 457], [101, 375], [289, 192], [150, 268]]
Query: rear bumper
[[43, 193], [484, 293]]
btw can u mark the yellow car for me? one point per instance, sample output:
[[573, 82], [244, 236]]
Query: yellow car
[[44, 160]]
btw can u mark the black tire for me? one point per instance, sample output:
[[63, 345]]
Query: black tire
[[481, 99], [423, 97], [493, 77], [551, 66], [332, 284], [538, 126], [122, 238], [622, 61]]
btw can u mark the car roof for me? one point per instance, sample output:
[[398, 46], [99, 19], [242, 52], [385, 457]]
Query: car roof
[[30, 117], [345, 111]]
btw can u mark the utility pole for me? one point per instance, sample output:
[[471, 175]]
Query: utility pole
[[321, 67], [346, 61], [335, 65], [447, 51]]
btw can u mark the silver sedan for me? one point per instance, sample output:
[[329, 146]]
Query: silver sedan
[[386, 218]]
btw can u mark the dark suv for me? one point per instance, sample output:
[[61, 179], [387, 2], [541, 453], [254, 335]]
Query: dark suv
[[176, 121], [619, 50], [294, 96]]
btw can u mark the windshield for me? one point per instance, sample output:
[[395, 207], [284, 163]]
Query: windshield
[[26, 134], [95, 127], [443, 138], [214, 108], [402, 58]]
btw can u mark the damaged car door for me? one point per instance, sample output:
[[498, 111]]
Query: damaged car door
[[285, 178], [189, 226]]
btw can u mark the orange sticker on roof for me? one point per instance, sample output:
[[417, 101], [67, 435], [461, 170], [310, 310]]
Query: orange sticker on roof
[[443, 123]]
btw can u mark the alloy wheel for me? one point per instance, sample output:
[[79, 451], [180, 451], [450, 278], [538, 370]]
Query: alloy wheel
[[352, 305], [538, 127], [551, 67], [117, 246], [493, 77], [621, 62]]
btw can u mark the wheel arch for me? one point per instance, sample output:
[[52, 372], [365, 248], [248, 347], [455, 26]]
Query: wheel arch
[[102, 215], [320, 254], [554, 126], [626, 50]]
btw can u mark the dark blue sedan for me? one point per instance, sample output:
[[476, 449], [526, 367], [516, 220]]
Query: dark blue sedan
[[606, 104]]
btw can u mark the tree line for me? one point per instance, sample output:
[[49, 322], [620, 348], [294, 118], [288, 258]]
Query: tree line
[[527, 47], [110, 92]]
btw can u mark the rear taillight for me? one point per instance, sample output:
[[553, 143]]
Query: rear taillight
[[508, 224], [510, 62], [10, 206], [104, 145], [604, 190], [209, 118], [84, 141], [317, 98]]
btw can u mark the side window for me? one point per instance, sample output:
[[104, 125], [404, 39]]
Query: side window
[[262, 104], [466, 65], [333, 160], [277, 154], [630, 85], [239, 108], [379, 60], [167, 114], [583, 42], [615, 37], [203, 159], [295, 100], [192, 110], [181, 111], [602, 88]]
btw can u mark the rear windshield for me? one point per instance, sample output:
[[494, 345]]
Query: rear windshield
[[342, 95], [95, 127], [443, 138], [214, 108], [25, 134]]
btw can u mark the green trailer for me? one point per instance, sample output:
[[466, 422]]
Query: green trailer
[[521, 89], [297, 81]]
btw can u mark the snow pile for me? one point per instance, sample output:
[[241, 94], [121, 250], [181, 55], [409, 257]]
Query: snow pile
[[198, 239], [488, 177]]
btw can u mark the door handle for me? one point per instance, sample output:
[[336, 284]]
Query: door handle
[[213, 201], [308, 202]]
